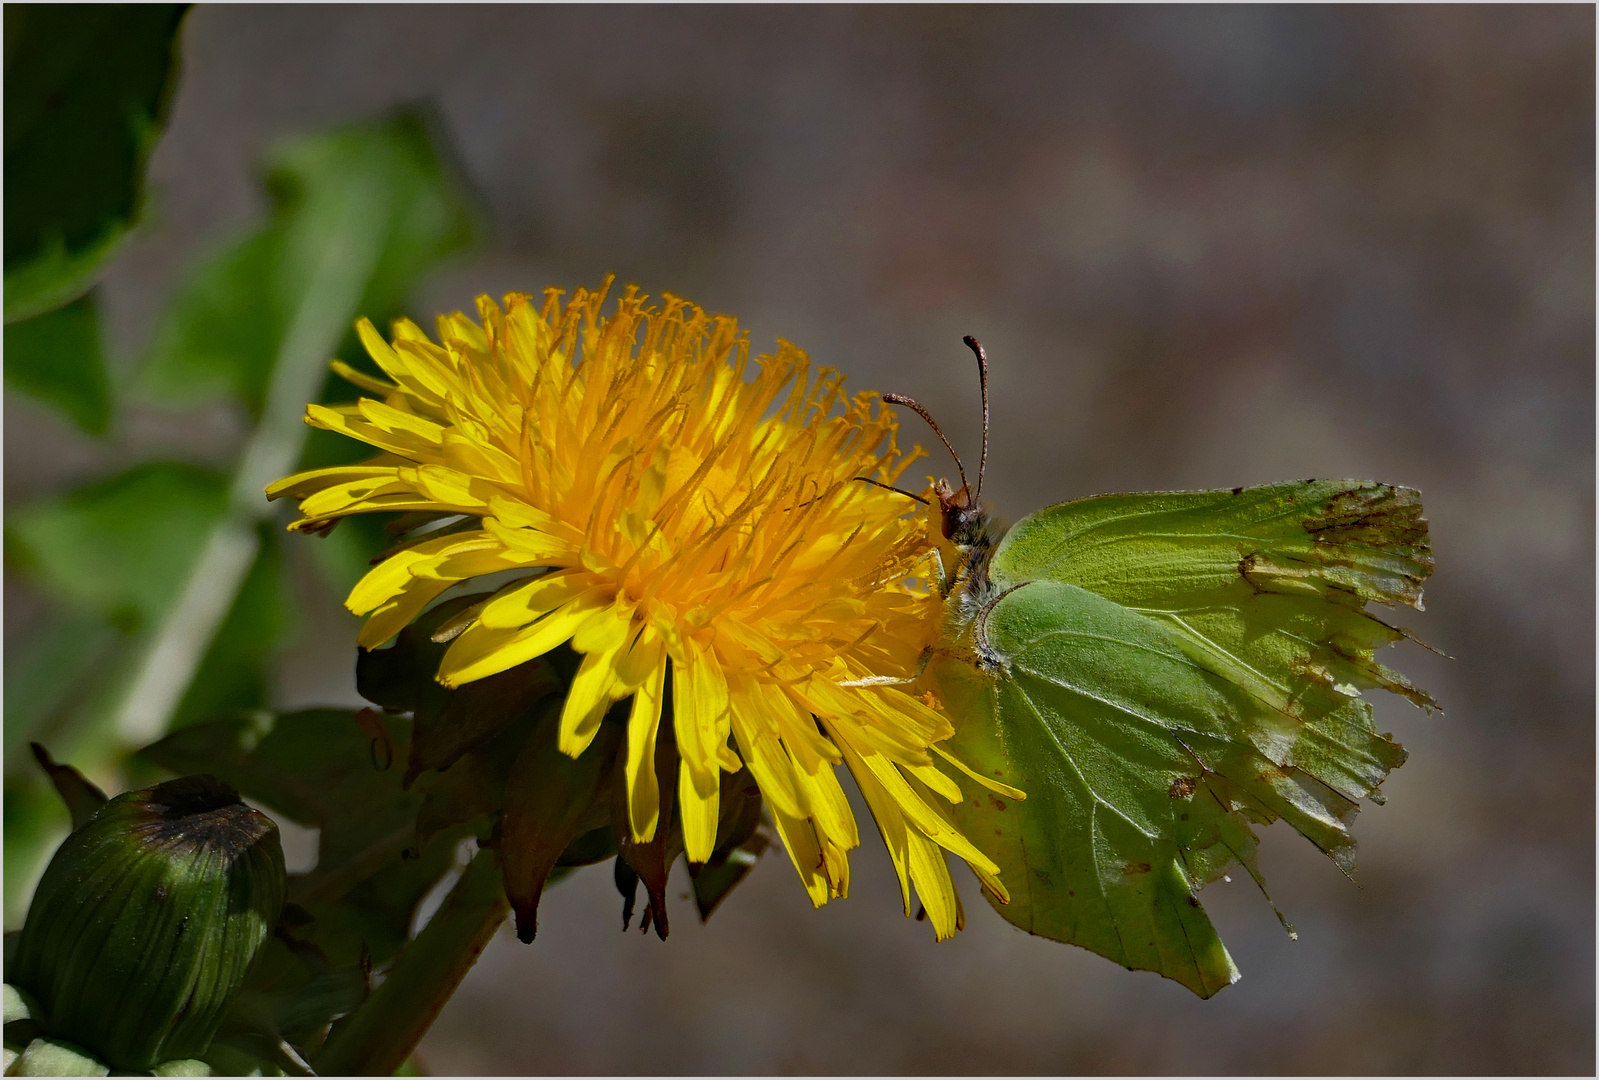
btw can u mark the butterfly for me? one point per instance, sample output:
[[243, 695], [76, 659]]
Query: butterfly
[[1160, 673]]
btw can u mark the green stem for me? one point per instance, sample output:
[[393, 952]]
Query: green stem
[[336, 279], [376, 1039]]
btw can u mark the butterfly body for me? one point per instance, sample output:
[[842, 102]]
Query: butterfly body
[[1160, 673], [970, 536]]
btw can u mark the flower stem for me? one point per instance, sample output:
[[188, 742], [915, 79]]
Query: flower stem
[[376, 1039]]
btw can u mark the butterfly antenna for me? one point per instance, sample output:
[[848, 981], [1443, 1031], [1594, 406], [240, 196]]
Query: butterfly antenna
[[891, 487], [982, 374], [916, 407]]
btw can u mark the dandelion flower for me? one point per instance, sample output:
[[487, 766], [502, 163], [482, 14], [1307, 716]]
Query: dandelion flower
[[692, 524]]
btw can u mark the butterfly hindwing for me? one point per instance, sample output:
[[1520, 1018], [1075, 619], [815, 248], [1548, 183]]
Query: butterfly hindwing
[[1158, 673], [1265, 586]]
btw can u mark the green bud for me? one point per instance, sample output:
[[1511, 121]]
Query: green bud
[[147, 919]]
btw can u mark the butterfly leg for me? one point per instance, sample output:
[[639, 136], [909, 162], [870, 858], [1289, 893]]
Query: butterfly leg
[[940, 574]]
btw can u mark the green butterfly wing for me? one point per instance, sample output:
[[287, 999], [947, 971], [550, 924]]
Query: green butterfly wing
[[1161, 672]]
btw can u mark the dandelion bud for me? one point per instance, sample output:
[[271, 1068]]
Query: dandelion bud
[[147, 919]]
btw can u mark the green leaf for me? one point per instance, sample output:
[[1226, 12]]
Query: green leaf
[[359, 212], [236, 671], [52, 673], [120, 551], [331, 993], [82, 798], [1161, 672], [122, 547], [57, 358], [221, 336], [86, 93]]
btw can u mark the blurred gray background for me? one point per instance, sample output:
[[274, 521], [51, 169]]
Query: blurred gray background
[[1204, 247]]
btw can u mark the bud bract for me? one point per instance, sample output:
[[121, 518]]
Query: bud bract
[[148, 917]]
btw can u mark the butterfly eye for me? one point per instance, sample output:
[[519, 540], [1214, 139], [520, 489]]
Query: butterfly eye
[[953, 505], [953, 516]]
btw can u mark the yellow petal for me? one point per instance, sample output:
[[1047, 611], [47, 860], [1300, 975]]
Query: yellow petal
[[830, 806], [992, 785], [698, 807], [478, 458], [414, 377], [482, 651], [805, 852], [930, 873], [808, 745], [353, 496], [519, 515], [347, 420], [835, 864], [532, 542], [302, 484], [595, 686], [700, 708], [450, 488], [916, 812], [937, 781], [360, 378], [392, 617], [769, 763], [394, 575], [527, 603], [643, 655], [643, 791], [890, 822], [489, 559]]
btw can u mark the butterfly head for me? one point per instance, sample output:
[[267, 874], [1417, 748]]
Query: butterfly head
[[962, 519]]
